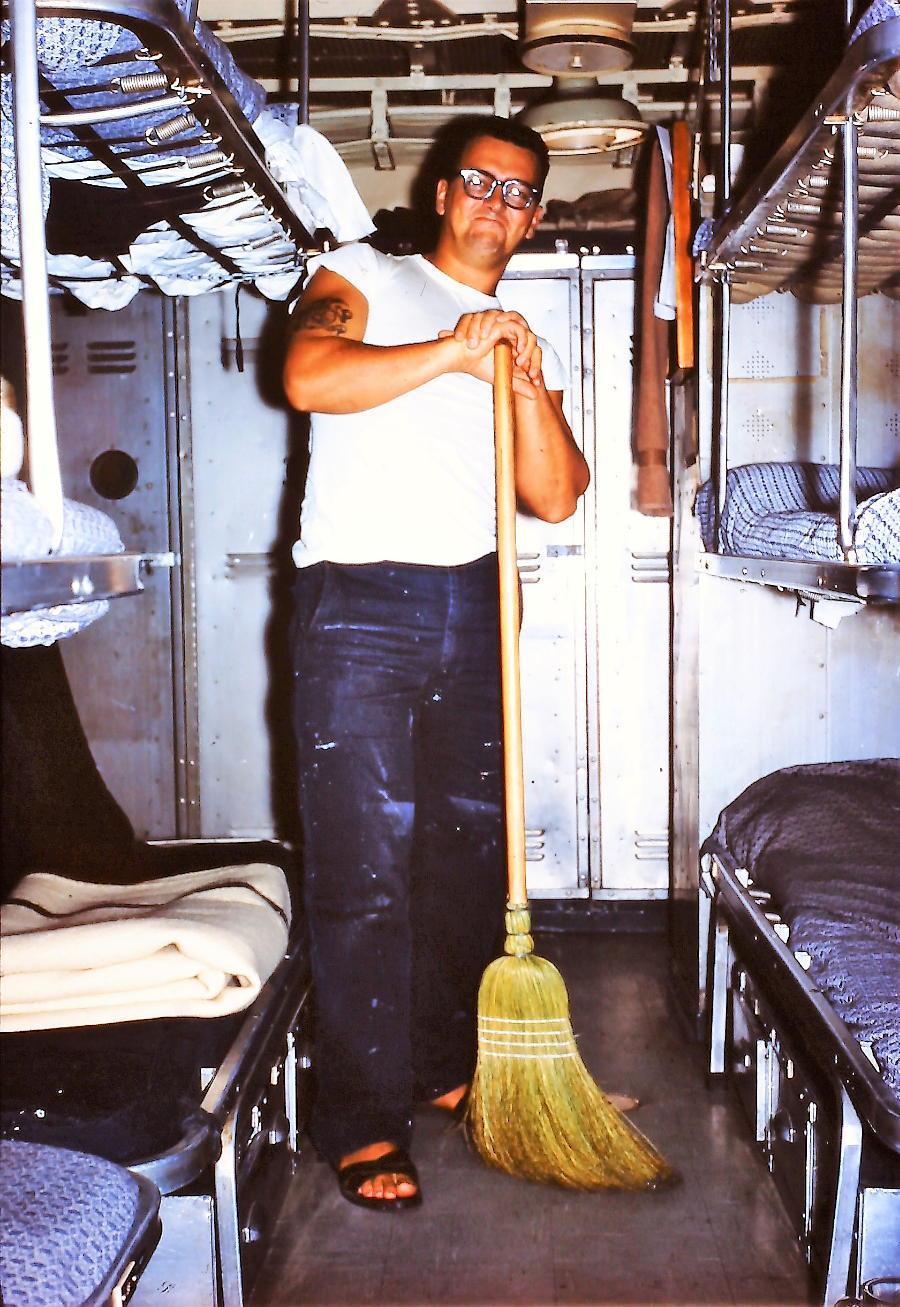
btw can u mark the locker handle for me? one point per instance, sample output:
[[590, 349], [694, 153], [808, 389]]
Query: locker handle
[[247, 563]]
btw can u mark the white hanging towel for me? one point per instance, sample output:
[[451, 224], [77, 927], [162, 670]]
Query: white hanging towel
[[314, 177], [664, 304]]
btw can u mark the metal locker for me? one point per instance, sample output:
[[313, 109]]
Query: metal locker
[[196, 738], [628, 568], [115, 398], [243, 511], [554, 654]]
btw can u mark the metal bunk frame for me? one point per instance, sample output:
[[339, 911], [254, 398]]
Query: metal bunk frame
[[247, 1122], [251, 1104], [191, 87], [223, 1180], [771, 237], [234, 165], [739, 923]]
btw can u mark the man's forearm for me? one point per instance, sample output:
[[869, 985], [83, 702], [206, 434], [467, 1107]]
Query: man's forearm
[[551, 473], [328, 374]]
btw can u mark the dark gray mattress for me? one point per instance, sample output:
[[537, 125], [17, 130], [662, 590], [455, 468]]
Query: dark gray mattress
[[824, 840]]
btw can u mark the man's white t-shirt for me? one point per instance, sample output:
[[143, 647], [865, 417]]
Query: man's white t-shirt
[[411, 480]]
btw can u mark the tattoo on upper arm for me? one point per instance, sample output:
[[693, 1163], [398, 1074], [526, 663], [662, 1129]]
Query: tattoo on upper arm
[[331, 315]]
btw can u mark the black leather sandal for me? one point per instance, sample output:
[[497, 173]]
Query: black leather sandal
[[397, 1162]]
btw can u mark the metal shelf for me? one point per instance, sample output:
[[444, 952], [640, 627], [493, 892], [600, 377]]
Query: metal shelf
[[872, 583], [32, 584]]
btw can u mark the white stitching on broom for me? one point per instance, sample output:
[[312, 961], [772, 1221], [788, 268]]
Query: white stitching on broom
[[488, 1052], [525, 1021]]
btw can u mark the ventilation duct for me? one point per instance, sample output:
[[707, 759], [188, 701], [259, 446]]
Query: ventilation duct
[[577, 36], [578, 119]]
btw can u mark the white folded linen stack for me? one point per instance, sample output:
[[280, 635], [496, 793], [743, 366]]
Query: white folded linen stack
[[198, 944]]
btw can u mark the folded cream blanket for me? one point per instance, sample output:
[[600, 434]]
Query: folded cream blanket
[[200, 944]]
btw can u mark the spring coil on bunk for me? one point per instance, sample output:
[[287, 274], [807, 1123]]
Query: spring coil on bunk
[[212, 158], [133, 82], [159, 133], [221, 190], [882, 113]]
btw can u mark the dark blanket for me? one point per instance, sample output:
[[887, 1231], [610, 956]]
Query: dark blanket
[[824, 840], [58, 813]]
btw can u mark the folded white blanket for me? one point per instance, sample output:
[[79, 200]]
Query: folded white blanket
[[200, 944]]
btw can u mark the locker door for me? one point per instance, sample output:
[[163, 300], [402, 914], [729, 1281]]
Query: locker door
[[242, 516], [114, 387], [545, 290], [628, 565]]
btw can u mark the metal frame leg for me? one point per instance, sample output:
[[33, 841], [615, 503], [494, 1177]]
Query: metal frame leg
[[228, 1235], [718, 1003], [845, 1204]]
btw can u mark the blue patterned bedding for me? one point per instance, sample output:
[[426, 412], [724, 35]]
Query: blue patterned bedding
[[880, 11], [824, 840], [192, 225], [789, 510], [81, 53]]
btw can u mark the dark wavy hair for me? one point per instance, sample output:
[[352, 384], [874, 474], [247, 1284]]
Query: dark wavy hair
[[457, 135]]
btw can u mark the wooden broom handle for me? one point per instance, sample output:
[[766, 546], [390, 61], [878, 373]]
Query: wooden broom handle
[[510, 679], [684, 265]]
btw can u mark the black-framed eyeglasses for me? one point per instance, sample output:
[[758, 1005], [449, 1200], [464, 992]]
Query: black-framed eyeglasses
[[480, 185]]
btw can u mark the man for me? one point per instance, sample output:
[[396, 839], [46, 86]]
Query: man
[[396, 666]]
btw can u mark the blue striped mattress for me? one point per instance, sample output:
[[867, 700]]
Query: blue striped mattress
[[790, 510]]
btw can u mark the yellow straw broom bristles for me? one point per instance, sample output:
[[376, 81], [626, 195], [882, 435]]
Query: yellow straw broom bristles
[[533, 1108]]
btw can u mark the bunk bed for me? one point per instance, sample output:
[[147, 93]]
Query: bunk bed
[[207, 1098], [821, 220], [800, 887], [137, 155], [132, 1028], [799, 932], [151, 170]]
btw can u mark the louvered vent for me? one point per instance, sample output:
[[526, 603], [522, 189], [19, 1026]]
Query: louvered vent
[[117, 357]]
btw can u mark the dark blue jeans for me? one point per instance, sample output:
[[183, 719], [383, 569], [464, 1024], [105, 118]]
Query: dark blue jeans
[[398, 724]]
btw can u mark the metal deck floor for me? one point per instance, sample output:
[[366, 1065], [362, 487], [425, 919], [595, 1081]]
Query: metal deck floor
[[486, 1239]]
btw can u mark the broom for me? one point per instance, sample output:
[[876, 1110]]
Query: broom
[[533, 1109]]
